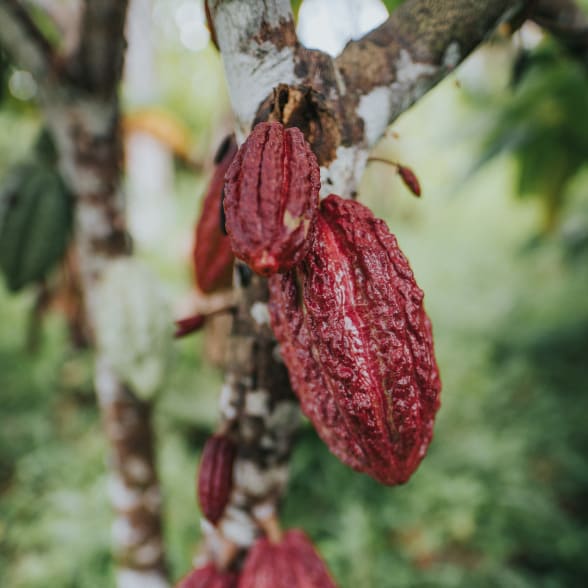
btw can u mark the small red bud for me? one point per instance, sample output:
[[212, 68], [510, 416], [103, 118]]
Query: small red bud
[[215, 477], [189, 325], [410, 180]]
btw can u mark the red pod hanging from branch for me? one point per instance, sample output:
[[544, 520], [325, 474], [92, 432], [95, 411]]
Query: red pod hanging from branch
[[215, 477], [212, 254], [271, 198], [407, 175], [358, 344], [290, 563], [208, 577]]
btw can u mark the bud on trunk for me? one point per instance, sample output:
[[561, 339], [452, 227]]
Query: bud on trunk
[[215, 477]]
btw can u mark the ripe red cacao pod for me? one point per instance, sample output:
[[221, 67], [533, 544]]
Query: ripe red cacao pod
[[215, 476], [271, 198], [291, 563], [358, 344], [208, 576], [212, 254]]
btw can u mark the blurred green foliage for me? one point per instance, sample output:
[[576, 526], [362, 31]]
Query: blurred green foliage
[[542, 123]]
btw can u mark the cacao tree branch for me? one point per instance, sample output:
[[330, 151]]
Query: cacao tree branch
[[97, 64], [391, 67], [89, 143], [257, 40], [81, 108], [24, 41], [258, 410]]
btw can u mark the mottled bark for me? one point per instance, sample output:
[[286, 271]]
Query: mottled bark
[[391, 67], [79, 101], [258, 411]]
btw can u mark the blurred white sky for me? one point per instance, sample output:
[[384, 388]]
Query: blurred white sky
[[323, 24], [329, 24]]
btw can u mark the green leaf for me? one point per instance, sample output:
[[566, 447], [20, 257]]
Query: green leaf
[[542, 124], [296, 7], [392, 5]]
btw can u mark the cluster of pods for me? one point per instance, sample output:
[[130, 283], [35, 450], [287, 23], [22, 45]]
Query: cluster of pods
[[347, 314]]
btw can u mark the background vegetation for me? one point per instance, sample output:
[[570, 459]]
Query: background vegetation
[[502, 497]]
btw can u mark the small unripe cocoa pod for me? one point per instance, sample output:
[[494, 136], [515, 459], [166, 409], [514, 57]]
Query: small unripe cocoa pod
[[271, 198], [358, 344], [291, 563], [215, 476], [208, 576], [36, 214], [212, 254]]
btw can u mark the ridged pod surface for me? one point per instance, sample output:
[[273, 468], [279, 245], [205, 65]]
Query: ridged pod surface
[[358, 344], [208, 577], [271, 198], [291, 563], [215, 477], [212, 254]]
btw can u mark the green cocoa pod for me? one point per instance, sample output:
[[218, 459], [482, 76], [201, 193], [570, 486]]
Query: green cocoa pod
[[35, 222], [134, 326]]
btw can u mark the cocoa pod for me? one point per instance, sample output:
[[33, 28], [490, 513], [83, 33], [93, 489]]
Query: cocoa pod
[[215, 477], [208, 576], [271, 198], [212, 254], [358, 344], [36, 217], [291, 563]]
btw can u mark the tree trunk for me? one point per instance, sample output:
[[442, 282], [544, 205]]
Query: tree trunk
[[79, 101]]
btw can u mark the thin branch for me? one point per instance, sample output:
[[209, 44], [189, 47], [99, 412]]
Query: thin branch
[[98, 63], [391, 67], [23, 40]]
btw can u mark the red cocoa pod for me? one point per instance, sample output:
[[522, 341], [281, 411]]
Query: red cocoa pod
[[215, 477], [271, 198], [291, 563], [212, 254], [358, 344], [208, 576]]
